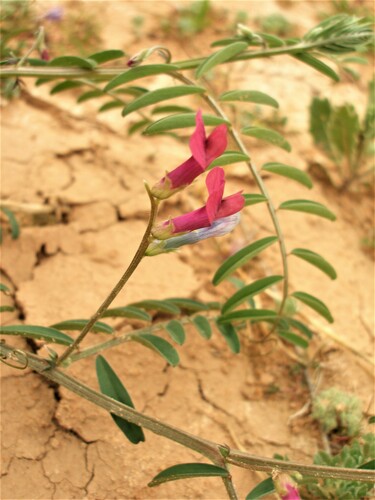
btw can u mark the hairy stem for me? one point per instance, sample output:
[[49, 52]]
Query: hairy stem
[[119, 286], [105, 73], [210, 449]]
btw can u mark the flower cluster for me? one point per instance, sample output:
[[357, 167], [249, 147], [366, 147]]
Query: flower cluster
[[218, 216]]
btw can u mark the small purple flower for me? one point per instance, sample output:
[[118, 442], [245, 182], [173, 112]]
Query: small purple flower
[[220, 227], [204, 151], [216, 208], [54, 13]]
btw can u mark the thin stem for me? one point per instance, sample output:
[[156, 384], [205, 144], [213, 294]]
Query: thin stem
[[228, 483], [106, 73], [119, 286], [125, 337], [259, 181], [211, 450]]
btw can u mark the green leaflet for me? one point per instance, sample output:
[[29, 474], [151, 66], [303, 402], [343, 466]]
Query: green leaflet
[[253, 199], [188, 304], [249, 96], [106, 55], [171, 109], [315, 304], [7, 309], [186, 471], [110, 105], [14, 226], [241, 257], [317, 64], [220, 57], [262, 489], [316, 260], [228, 158], [203, 326], [159, 345], [293, 338], [229, 333], [248, 314], [73, 61], [4, 289], [47, 334], [290, 172], [67, 85], [268, 135], [248, 291], [139, 72], [79, 324], [308, 206], [163, 94], [127, 312], [164, 306], [111, 386], [182, 120], [176, 331]]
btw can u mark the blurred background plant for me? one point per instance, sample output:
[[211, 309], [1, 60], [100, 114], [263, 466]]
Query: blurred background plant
[[275, 24], [346, 140], [359, 453], [189, 20], [73, 28]]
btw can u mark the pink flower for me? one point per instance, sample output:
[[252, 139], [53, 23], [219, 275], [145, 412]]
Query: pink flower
[[285, 486], [216, 208], [204, 151]]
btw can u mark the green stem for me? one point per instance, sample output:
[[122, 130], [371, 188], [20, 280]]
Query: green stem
[[211, 450], [105, 73], [123, 338], [119, 286]]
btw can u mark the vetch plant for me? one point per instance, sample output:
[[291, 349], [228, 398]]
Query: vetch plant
[[219, 215]]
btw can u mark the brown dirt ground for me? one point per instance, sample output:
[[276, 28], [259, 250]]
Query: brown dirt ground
[[86, 168]]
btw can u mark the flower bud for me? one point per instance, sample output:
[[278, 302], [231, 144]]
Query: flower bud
[[285, 486]]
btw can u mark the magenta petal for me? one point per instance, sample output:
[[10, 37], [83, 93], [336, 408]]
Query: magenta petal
[[185, 173], [216, 143], [191, 221], [198, 141], [231, 205], [215, 182]]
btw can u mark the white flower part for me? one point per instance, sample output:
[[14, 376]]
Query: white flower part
[[219, 228]]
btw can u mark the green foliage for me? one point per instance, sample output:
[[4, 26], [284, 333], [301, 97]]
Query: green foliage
[[338, 411], [189, 20], [344, 137], [12, 222], [355, 455], [187, 471], [111, 386], [275, 24]]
